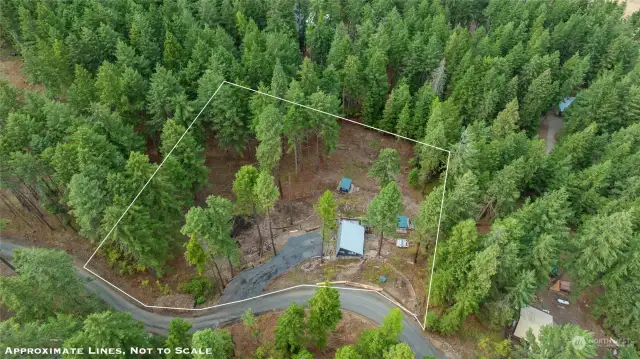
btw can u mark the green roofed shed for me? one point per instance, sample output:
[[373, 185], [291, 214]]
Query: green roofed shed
[[402, 225], [345, 184], [403, 222]]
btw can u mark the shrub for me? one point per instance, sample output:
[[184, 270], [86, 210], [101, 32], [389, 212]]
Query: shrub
[[414, 178], [164, 288], [433, 321], [3, 223], [199, 287]]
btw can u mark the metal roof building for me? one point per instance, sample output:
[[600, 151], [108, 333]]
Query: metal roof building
[[534, 319], [564, 104], [350, 239]]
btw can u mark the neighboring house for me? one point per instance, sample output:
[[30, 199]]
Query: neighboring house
[[534, 319], [350, 239], [564, 104], [403, 225], [345, 185]]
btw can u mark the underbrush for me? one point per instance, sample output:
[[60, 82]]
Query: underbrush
[[199, 287]]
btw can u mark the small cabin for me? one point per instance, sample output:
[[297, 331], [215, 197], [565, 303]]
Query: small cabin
[[564, 104], [345, 185], [531, 319]]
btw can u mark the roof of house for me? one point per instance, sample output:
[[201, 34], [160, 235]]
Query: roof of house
[[403, 222], [564, 104], [351, 237], [345, 183], [534, 319]]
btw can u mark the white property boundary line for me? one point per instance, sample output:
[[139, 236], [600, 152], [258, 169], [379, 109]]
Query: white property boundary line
[[422, 325]]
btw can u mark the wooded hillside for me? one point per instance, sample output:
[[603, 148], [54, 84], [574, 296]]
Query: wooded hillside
[[123, 77]]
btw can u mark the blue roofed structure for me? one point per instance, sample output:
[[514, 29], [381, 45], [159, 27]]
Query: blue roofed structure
[[345, 185], [564, 104], [350, 239], [402, 225], [403, 222]]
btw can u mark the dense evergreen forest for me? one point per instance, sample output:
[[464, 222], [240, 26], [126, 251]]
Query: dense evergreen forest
[[122, 77]]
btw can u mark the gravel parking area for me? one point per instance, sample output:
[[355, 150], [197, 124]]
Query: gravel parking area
[[253, 281]]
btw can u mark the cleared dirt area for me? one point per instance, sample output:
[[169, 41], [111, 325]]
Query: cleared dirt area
[[357, 149], [398, 284], [346, 333], [577, 312], [549, 130], [11, 70], [632, 6]]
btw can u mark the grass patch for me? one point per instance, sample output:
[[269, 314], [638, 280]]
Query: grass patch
[[375, 144], [348, 206], [373, 272]]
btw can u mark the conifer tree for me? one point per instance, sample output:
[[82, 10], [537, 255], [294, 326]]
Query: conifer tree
[[82, 91], [173, 52], [244, 186], [212, 227], [422, 110], [352, 81], [178, 338], [323, 125], [308, 77], [279, 81], [383, 210], [164, 85], [340, 48], [376, 86], [296, 119], [385, 167], [325, 209], [405, 126], [539, 96], [290, 330], [266, 194], [399, 98], [330, 82], [507, 120], [216, 343], [324, 314]]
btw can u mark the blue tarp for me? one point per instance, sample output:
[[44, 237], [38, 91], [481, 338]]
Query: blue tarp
[[345, 184], [566, 103], [403, 222]]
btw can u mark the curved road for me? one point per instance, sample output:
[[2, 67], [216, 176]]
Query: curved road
[[367, 304]]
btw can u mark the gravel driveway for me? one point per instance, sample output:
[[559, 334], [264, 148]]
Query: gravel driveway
[[253, 281]]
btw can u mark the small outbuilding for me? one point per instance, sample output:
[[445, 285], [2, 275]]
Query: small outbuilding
[[402, 243], [565, 103], [345, 185], [403, 224], [350, 239], [534, 319]]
